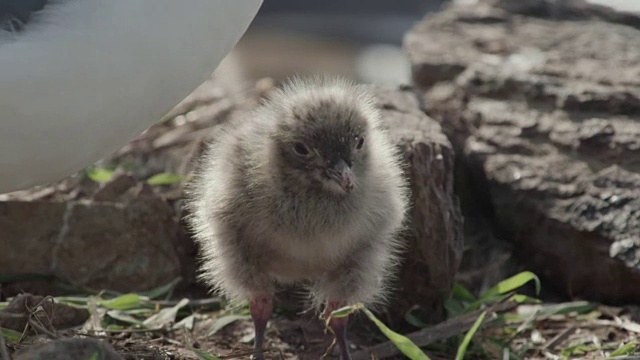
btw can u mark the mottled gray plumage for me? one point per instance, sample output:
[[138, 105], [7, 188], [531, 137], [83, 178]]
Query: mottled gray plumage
[[305, 188]]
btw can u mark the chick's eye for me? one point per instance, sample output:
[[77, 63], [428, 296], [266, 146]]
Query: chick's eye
[[360, 142], [300, 149]]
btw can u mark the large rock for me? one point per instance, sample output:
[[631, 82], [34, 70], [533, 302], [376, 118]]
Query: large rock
[[121, 246], [434, 239], [546, 112]]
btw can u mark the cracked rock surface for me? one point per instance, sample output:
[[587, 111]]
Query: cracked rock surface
[[546, 113], [120, 246]]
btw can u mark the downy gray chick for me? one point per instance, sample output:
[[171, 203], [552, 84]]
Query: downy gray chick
[[306, 188]]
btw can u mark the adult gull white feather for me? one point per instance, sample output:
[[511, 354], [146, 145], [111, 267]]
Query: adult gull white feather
[[83, 77]]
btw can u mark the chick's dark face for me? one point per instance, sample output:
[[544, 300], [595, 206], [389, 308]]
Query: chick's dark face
[[325, 150]]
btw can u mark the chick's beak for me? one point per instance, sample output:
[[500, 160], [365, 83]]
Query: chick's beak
[[342, 174]]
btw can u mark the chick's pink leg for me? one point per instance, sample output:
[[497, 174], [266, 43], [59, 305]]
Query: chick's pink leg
[[261, 308], [339, 328]]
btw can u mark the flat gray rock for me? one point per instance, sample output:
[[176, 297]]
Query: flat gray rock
[[546, 113], [121, 246], [69, 349]]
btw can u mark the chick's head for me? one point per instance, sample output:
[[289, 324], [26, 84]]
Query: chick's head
[[322, 140]]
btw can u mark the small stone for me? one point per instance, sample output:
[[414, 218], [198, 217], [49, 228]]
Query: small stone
[[106, 245], [49, 314], [66, 349]]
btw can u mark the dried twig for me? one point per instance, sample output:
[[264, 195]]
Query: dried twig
[[213, 303], [35, 320], [127, 331], [330, 348], [37, 325], [628, 326], [238, 354], [558, 338]]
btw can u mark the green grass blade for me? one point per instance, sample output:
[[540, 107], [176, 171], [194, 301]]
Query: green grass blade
[[123, 317], [462, 349], [203, 355], [99, 175], [513, 283], [123, 302], [579, 307], [72, 300], [627, 349], [344, 311], [165, 179], [94, 356], [461, 293], [524, 299], [577, 350], [406, 346]]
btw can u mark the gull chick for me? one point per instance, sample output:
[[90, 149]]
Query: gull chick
[[307, 188]]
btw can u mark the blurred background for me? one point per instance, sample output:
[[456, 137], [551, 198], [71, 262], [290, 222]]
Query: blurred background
[[348, 38]]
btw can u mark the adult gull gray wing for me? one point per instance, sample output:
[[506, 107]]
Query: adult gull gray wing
[[80, 78]]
